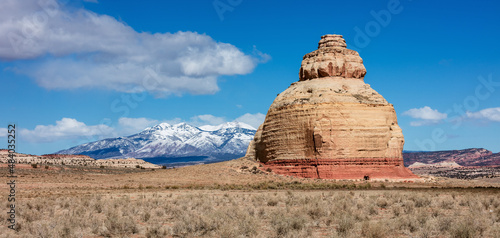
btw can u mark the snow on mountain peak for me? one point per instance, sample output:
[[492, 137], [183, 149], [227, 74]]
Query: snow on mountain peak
[[183, 125], [233, 124], [168, 140], [159, 127]]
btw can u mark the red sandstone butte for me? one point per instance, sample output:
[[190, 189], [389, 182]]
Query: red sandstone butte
[[331, 124]]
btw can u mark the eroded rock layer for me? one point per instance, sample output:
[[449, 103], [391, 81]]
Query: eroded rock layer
[[331, 124], [332, 58], [373, 168]]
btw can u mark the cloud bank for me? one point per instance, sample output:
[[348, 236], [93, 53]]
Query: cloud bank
[[489, 114], [64, 129], [252, 119], [427, 116], [3, 132], [128, 126], [206, 119], [77, 48], [72, 129]]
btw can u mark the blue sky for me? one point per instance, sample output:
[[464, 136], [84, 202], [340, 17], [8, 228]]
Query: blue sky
[[78, 71]]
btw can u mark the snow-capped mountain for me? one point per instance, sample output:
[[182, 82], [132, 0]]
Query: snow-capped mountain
[[229, 140]]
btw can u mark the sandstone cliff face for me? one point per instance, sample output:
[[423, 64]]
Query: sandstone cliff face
[[331, 124]]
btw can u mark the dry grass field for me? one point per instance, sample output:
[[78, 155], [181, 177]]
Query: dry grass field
[[232, 199]]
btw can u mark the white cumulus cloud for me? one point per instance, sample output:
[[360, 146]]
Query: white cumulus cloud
[[424, 122], [77, 48], [252, 119], [3, 132], [427, 115], [491, 114], [130, 126], [207, 119], [66, 128]]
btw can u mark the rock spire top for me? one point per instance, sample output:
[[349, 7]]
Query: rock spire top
[[331, 40], [332, 59]]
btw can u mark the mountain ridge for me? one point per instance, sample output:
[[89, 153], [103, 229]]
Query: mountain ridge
[[465, 157], [230, 139]]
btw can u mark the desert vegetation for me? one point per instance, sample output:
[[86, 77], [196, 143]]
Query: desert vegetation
[[229, 200], [465, 173], [265, 213]]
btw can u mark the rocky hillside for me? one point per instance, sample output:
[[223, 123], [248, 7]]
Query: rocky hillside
[[467, 157], [75, 160]]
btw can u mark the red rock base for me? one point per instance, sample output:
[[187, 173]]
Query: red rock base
[[361, 168]]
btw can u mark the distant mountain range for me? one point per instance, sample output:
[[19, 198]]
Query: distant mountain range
[[467, 157], [179, 144]]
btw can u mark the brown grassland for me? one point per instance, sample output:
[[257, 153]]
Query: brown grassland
[[234, 199]]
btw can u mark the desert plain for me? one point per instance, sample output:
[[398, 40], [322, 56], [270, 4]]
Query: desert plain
[[238, 198]]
